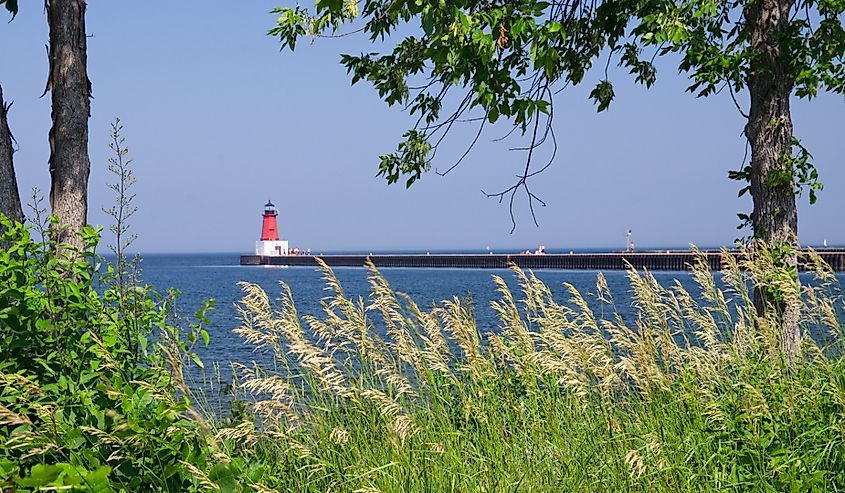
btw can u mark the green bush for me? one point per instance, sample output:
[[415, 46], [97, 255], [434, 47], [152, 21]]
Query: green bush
[[91, 393]]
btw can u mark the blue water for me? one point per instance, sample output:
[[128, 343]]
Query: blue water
[[200, 277]]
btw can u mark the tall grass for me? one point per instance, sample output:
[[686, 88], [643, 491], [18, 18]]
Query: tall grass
[[692, 395]]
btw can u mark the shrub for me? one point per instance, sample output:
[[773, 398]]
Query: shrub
[[91, 394]]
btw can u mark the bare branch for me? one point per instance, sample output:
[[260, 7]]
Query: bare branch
[[736, 103], [469, 148], [522, 182]]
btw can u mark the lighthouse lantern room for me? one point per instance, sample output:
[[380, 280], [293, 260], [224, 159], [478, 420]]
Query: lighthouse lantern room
[[270, 245]]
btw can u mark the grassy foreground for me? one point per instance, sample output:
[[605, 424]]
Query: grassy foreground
[[695, 394]]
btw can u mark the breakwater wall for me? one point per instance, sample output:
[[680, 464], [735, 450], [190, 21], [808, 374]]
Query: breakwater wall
[[655, 261]]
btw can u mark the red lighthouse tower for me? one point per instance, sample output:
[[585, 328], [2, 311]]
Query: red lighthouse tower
[[269, 229], [270, 244]]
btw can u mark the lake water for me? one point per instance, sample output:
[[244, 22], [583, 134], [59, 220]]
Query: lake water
[[200, 277]]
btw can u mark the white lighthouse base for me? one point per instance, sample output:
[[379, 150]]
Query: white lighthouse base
[[271, 248]]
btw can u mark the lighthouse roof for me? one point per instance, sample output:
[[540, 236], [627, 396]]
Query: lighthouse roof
[[269, 204]]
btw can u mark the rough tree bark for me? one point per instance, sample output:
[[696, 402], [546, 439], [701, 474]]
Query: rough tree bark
[[71, 92], [10, 200], [769, 133]]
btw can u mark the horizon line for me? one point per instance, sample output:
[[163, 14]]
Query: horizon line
[[513, 250]]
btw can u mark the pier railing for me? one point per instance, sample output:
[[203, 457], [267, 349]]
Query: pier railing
[[656, 261]]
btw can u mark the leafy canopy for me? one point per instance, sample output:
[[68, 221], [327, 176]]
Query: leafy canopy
[[507, 59]]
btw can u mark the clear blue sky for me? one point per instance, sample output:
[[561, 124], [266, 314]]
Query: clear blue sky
[[218, 121]]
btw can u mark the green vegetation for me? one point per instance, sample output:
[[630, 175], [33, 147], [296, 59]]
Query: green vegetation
[[702, 392], [91, 394], [693, 395], [378, 395]]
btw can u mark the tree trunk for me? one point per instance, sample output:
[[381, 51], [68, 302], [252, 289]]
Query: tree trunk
[[769, 133], [71, 91], [10, 200]]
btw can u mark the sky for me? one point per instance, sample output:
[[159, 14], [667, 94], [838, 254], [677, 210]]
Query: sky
[[218, 120]]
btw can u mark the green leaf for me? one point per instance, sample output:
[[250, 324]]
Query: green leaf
[[602, 94], [222, 475], [428, 22], [74, 439], [41, 475], [493, 114], [196, 359], [98, 481]]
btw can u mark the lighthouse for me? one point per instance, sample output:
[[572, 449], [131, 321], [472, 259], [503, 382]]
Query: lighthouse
[[270, 245]]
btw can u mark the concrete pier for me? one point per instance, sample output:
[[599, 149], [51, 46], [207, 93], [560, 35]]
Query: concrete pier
[[655, 261]]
